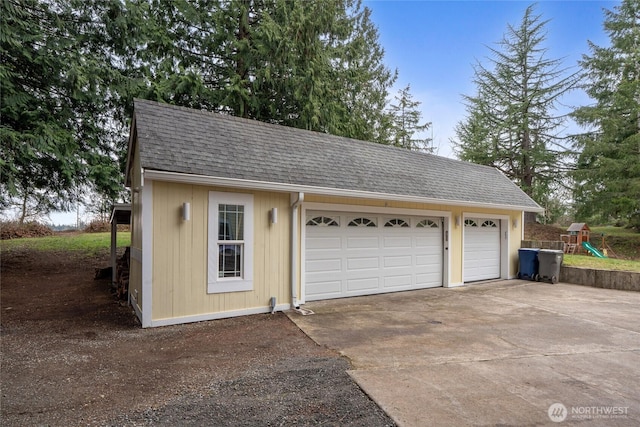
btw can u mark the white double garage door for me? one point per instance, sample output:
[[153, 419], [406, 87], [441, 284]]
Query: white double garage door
[[350, 254]]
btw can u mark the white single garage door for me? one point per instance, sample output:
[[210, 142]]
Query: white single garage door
[[481, 249], [361, 254]]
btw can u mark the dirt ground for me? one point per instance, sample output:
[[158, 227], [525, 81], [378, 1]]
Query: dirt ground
[[71, 355], [535, 231]]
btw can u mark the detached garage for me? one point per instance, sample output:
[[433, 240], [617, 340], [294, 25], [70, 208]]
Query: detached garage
[[232, 217]]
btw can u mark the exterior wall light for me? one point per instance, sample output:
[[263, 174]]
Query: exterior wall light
[[186, 211]]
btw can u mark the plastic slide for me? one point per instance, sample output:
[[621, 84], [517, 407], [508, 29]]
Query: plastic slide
[[596, 253]]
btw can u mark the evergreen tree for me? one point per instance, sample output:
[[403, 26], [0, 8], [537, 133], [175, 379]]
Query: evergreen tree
[[314, 65], [62, 101], [68, 82], [406, 122], [363, 81], [512, 121], [38, 153], [608, 168]]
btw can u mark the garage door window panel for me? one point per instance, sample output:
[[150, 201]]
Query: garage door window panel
[[362, 222], [397, 222], [323, 221], [427, 223]]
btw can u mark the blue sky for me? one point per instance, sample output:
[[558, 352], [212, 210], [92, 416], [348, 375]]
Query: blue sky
[[434, 45]]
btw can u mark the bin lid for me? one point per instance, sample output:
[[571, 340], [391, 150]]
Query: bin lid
[[529, 249], [552, 251]]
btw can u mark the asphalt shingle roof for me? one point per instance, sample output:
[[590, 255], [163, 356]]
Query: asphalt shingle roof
[[178, 139]]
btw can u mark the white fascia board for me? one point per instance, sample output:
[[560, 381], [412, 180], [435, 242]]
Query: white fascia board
[[323, 191]]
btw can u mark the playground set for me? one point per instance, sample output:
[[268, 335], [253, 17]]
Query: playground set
[[544, 264], [578, 239]]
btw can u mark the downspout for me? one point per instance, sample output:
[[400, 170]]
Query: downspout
[[294, 249]]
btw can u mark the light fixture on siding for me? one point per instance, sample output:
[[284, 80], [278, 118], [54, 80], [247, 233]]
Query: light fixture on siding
[[515, 223], [273, 215], [457, 220], [186, 211]]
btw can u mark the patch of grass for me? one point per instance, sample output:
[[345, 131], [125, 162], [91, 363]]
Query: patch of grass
[[614, 231], [89, 243], [600, 263]]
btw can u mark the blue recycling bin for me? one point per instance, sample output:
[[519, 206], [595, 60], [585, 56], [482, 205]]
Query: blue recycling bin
[[528, 268]]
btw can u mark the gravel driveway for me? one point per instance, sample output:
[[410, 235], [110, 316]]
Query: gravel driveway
[[72, 355]]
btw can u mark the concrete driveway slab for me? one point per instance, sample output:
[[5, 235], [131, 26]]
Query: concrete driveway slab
[[497, 353]]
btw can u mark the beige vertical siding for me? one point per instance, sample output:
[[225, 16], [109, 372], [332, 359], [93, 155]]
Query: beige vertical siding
[[180, 248], [180, 254]]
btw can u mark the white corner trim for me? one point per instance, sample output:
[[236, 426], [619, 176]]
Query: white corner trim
[[147, 252], [214, 316]]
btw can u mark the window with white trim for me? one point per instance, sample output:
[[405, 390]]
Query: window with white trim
[[470, 223], [489, 223], [230, 242]]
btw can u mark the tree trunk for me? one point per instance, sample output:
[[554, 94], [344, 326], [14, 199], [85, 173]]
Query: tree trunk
[[23, 209]]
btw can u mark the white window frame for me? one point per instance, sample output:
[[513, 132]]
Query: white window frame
[[217, 284]]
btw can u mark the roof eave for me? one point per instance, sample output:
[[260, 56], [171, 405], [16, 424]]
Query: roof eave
[[324, 191], [119, 208]]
